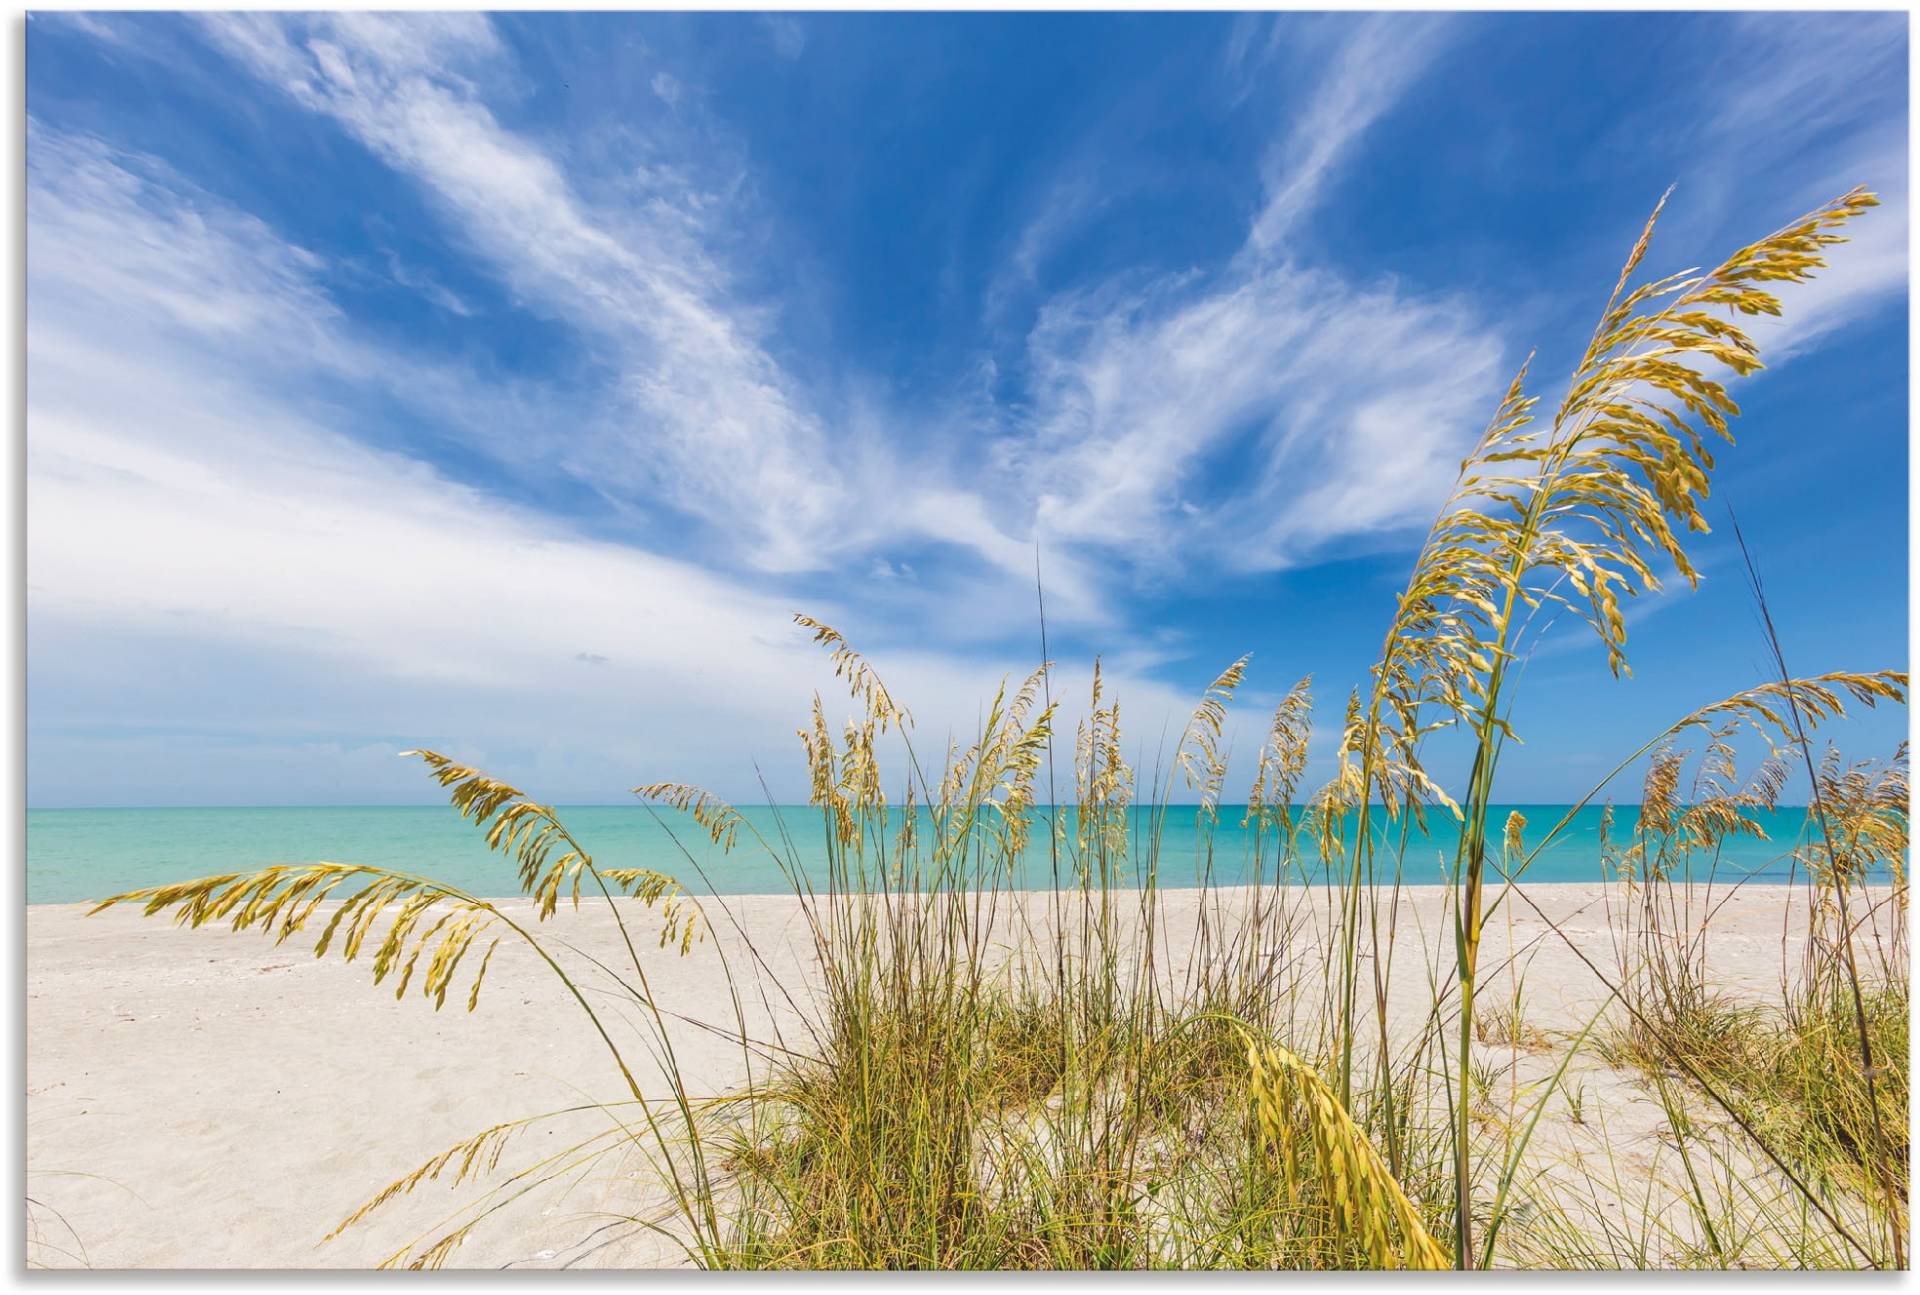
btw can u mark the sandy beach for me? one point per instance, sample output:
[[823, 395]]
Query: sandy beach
[[207, 1099]]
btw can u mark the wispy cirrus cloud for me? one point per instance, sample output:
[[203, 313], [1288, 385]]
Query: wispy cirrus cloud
[[715, 424], [1067, 204], [1340, 406], [219, 573], [1364, 73], [706, 416], [788, 36], [1263, 413], [1333, 408], [1795, 75], [121, 243], [112, 226], [1825, 85]]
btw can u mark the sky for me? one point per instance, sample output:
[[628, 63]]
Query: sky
[[504, 384]]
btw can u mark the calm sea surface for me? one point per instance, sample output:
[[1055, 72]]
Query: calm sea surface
[[83, 854]]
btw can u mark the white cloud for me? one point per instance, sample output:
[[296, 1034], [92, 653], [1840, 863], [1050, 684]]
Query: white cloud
[[716, 425], [1067, 205], [204, 561], [99, 220], [705, 416], [1798, 74], [1803, 77], [1365, 75], [1794, 110], [1256, 416], [215, 570], [1867, 272], [427, 286], [1333, 410], [788, 36], [103, 28], [134, 247], [1346, 403]]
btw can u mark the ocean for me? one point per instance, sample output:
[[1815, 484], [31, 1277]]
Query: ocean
[[75, 855]]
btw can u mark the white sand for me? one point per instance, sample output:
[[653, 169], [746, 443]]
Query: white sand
[[206, 1099]]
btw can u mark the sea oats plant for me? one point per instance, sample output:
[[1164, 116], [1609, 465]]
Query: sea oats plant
[[1569, 515], [994, 1079]]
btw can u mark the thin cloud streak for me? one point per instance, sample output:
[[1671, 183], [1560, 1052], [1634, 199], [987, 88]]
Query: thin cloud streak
[[1366, 74], [718, 427]]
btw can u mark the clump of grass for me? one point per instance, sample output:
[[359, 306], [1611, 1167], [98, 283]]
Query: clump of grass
[[1508, 1027], [1712, 1034], [1805, 1081], [1576, 1095]]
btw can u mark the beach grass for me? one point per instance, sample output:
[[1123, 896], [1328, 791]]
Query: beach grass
[[986, 1079]]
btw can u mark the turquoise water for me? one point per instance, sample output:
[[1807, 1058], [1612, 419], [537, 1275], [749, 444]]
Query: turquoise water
[[82, 854]]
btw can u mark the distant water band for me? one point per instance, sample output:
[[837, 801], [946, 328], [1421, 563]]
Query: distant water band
[[82, 854]]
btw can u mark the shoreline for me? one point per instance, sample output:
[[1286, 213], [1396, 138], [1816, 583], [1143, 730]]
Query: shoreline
[[1726, 879]]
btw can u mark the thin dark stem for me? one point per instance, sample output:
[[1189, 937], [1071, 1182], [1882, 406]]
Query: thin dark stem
[[1819, 810]]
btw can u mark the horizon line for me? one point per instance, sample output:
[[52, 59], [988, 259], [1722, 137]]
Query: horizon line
[[1224, 808]]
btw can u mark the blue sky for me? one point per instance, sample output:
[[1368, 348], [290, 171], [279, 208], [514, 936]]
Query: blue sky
[[503, 384]]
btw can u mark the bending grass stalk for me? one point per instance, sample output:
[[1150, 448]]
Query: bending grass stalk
[[217, 896], [1369, 1202], [287, 896]]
